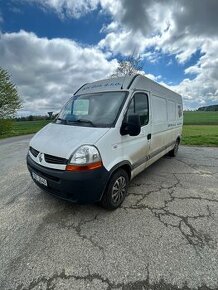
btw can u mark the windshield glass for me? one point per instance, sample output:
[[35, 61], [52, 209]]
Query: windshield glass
[[93, 110]]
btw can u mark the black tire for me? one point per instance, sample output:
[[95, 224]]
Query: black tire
[[175, 149], [116, 190]]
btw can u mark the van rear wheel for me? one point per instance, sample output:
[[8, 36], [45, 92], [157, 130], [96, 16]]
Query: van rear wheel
[[175, 149], [116, 190]]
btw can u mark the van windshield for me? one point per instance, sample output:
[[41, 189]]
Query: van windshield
[[92, 110]]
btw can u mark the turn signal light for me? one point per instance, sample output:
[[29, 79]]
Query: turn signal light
[[91, 166]]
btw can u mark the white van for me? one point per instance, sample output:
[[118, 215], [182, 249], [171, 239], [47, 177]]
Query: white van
[[106, 134]]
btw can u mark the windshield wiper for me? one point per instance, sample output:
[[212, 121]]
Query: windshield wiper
[[82, 121]]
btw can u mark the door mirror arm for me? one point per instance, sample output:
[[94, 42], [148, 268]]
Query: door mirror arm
[[124, 129]]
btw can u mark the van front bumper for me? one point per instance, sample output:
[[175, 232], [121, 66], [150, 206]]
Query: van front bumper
[[81, 187]]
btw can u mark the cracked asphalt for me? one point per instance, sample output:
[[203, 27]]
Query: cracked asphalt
[[164, 236]]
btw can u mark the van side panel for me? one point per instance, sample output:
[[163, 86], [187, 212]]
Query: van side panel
[[159, 123], [166, 123]]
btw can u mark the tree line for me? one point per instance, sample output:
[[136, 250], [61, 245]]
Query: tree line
[[209, 108], [35, 117]]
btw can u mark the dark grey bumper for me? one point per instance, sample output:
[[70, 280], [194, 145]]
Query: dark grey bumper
[[82, 187]]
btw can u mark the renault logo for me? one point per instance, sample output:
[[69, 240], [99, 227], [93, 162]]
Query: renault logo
[[40, 157]]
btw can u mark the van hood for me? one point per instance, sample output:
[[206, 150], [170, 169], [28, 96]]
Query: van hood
[[62, 140]]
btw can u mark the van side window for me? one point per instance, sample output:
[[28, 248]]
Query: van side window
[[139, 105]]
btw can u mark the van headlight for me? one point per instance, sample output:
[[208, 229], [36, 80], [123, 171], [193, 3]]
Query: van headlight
[[86, 157]]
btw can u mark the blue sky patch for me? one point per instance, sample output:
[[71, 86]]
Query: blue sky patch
[[46, 23]]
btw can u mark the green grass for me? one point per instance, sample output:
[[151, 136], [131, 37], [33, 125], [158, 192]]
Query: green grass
[[201, 118], [203, 135], [25, 127], [200, 128]]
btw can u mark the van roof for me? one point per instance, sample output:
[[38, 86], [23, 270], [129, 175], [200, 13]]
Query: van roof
[[112, 84], [136, 81]]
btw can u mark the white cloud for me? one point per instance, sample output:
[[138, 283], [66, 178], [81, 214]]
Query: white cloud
[[177, 28], [153, 77], [47, 72], [204, 87]]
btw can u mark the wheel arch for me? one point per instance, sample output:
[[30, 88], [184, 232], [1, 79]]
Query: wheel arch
[[122, 165], [178, 138], [126, 165]]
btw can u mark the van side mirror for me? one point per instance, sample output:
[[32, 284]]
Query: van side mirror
[[132, 126]]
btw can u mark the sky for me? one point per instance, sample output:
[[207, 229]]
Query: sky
[[52, 47]]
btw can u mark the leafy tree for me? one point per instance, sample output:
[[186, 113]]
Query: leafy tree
[[128, 66], [30, 118], [10, 101]]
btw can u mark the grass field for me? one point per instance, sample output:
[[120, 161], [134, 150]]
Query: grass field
[[201, 118], [25, 127], [200, 128], [203, 135]]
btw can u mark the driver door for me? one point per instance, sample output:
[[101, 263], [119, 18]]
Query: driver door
[[136, 148]]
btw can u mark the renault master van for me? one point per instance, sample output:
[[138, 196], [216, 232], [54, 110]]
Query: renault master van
[[105, 135]]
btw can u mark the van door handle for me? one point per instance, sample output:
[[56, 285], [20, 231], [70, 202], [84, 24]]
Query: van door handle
[[149, 136]]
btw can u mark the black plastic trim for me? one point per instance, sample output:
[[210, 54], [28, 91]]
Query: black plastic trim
[[114, 168], [120, 164], [135, 76], [54, 159], [80, 88], [34, 151]]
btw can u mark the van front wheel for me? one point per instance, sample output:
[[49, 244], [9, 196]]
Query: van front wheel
[[116, 190]]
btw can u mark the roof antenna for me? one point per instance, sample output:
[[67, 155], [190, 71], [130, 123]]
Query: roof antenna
[[131, 57]]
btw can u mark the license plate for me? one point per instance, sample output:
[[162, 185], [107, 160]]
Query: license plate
[[39, 179]]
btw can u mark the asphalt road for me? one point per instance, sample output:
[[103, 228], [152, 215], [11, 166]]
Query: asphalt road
[[164, 236]]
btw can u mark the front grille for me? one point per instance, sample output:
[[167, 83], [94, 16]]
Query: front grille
[[54, 159], [34, 151]]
